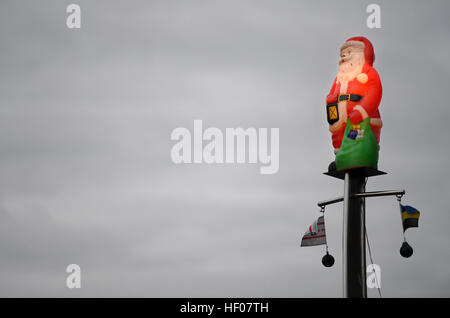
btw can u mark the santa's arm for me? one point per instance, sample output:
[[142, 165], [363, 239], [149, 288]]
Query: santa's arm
[[370, 101], [332, 98]]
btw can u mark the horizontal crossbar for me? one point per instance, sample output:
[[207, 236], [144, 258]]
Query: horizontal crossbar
[[363, 195]]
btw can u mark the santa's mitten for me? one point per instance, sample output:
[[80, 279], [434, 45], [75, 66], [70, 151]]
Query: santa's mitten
[[331, 99], [355, 117]]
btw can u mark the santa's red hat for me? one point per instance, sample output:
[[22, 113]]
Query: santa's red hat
[[369, 55]]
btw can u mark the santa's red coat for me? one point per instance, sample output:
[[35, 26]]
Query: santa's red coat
[[368, 85]]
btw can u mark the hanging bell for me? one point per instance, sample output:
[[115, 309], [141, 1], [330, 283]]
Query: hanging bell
[[327, 260], [406, 250]]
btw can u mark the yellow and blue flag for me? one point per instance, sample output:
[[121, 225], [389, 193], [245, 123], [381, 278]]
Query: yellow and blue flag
[[410, 217]]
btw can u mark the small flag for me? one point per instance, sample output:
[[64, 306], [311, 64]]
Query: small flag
[[410, 217], [315, 234]]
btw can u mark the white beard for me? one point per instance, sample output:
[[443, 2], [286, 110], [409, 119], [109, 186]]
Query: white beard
[[348, 70]]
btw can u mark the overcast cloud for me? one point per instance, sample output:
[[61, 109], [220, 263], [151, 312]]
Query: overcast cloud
[[85, 123]]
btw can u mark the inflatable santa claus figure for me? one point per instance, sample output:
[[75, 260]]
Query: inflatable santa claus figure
[[352, 107]]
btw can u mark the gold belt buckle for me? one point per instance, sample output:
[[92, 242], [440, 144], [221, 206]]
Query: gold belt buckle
[[341, 97]]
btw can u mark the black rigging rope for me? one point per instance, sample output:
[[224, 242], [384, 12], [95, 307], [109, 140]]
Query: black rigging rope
[[370, 251], [371, 261]]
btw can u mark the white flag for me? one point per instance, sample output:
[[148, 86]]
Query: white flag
[[315, 234]]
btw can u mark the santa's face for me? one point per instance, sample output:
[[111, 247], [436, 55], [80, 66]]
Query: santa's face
[[345, 54], [351, 53], [351, 61]]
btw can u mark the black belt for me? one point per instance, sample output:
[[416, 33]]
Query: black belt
[[332, 109], [349, 97]]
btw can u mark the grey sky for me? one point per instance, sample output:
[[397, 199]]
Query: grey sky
[[85, 169]]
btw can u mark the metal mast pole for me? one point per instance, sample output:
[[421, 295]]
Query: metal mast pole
[[354, 229], [354, 249]]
